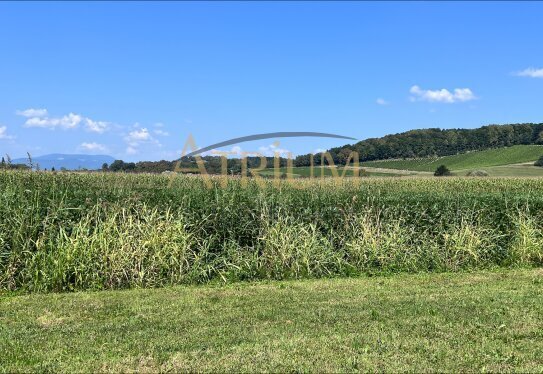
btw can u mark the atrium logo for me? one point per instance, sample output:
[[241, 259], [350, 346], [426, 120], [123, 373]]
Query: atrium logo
[[326, 158]]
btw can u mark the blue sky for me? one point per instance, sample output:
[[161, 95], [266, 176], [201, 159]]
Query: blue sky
[[133, 80]]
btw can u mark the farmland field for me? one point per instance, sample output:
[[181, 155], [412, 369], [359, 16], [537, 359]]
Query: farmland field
[[519, 170], [318, 171], [466, 161], [70, 231]]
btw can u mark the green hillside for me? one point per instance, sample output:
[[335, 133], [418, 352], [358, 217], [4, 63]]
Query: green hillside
[[473, 160], [437, 142]]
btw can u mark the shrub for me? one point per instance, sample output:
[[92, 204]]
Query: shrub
[[477, 173], [539, 162], [442, 171]]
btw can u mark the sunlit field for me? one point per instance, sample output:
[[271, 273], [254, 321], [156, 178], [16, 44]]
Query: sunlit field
[[72, 231], [488, 158], [484, 321]]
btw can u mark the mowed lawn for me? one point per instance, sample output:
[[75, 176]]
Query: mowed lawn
[[482, 321]]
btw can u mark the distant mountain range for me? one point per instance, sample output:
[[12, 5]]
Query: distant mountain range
[[69, 162]]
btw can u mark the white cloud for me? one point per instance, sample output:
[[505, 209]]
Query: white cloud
[[69, 121], [137, 136], [236, 150], [270, 150], [4, 133], [161, 132], [530, 72], [213, 152], [318, 150], [380, 101], [40, 118], [96, 126], [93, 147], [442, 96], [31, 112]]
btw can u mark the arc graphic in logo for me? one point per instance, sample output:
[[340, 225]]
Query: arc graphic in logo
[[271, 135], [254, 171]]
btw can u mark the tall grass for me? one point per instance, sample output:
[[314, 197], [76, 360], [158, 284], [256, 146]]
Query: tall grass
[[105, 231]]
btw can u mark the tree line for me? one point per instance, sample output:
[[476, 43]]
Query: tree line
[[213, 165], [434, 142], [6, 163]]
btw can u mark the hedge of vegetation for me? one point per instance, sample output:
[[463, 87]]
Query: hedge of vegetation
[[72, 231]]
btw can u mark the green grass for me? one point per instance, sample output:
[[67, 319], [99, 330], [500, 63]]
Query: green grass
[[466, 161], [66, 232], [466, 322], [305, 171], [511, 171]]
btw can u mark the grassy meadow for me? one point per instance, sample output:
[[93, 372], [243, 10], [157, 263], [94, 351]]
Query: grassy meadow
[[72, 231], [518, 170], [466, 161], [486, 321]]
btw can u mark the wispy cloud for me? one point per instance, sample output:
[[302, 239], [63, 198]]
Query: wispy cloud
[[272, 149], [381, 101], [236, 150], [442, 96], [31, 112], [530, 73], [96, 126], [268, 151], [93, 147], [138, 137], [41, 118], [161, 132], [159, 126], [69, 121], [4, 133]]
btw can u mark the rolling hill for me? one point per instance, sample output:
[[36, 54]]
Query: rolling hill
[[517, 154]]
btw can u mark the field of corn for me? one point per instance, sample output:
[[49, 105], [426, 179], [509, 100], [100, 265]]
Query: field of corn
[[71, 231]]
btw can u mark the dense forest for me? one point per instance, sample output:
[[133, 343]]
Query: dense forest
[[434, 142]]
